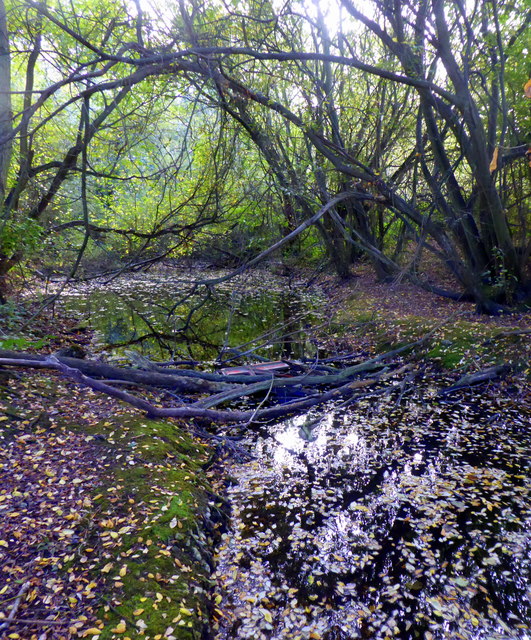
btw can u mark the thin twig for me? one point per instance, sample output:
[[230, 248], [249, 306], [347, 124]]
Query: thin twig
[[38, 621]]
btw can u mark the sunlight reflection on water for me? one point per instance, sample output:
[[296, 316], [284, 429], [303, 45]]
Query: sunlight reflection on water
[[405, 522]]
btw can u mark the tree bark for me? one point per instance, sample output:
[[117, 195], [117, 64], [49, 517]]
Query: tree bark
[[6, 115], [102, 370]]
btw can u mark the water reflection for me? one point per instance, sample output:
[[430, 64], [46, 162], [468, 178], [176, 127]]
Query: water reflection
[[163, 318], [384, 522]]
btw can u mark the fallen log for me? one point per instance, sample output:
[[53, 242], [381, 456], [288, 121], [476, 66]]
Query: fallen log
[[195, 382], [213, 415], [217, 388], [102, 370]]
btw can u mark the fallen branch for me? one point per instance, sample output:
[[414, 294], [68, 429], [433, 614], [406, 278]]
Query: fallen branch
[[196, 411], [167, 380], [38, 622], [213, 415], [476, 378], [11, 617], [507, 334], [345, 382]]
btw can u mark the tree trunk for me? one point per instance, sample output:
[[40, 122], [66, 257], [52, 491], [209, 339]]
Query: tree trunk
[[6, 115]]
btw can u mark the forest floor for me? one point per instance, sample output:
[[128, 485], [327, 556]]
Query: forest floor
[[103, 513], [372, 316]]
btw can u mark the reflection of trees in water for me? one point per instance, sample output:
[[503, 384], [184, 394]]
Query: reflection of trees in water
[[284, 321], [148, 330], [294, 339], [118, 331], [202, 326]]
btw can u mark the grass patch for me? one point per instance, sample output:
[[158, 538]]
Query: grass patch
[[458, 344]]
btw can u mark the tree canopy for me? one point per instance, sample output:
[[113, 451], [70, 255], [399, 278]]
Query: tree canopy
[[157, 129]]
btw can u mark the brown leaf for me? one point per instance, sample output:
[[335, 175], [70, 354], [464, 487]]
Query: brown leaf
[[494, 162]]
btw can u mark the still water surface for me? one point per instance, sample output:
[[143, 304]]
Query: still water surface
[[388, 520], [159, 316]]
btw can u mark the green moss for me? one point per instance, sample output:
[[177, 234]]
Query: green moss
[[458, 344], [160, 571]]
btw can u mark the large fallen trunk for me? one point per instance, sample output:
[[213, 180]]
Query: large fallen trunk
[[203, 408], [200, 393], [214, 415], [174, 380]]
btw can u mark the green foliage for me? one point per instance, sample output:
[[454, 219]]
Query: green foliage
[[11, 314], [20, 234], [179, 155], [21, 343]]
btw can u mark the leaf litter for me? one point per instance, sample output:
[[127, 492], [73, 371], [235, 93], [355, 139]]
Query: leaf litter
[[99, 515]]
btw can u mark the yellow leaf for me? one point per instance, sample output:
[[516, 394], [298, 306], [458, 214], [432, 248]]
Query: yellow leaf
[[120, 627], [123, 571], [3, 543], [107, 567], [527, 89], [267, 615], [138, 612], [494, 162], [92, 632]]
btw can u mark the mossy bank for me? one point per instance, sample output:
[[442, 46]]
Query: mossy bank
[[159, 520], [462, 341], [109, 520]]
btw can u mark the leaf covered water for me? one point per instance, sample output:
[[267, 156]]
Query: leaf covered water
[[405, 520]]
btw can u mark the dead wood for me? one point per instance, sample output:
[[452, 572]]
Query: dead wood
[[167, 380], [11, 617], [340, 383], [190, 411], [491, 373]]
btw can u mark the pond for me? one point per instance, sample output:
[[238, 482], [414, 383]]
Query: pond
[[397, 518], [160, 316], [403, 516]]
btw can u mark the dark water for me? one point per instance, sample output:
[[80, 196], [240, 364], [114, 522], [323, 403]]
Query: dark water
[[157, 316], [387, 520]]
